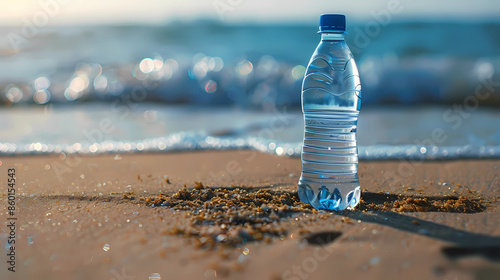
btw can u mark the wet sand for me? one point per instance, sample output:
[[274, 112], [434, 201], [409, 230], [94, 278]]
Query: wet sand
[[92, 217]]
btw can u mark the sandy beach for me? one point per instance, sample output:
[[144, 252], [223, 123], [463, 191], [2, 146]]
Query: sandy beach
[[91, 218]]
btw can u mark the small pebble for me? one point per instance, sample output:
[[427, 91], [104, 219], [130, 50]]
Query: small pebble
[[155, 276], [374, 260]]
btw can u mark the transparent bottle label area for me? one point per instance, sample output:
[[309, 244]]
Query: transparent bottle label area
[[329, 178]]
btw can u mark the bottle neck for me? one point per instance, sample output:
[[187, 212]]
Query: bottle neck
[[332, 36]]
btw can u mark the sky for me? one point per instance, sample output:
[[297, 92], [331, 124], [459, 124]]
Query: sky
[[77, 12]]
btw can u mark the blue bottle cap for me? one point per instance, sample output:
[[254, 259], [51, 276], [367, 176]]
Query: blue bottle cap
[[332, 23]]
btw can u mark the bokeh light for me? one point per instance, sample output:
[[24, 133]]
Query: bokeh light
[[158, 63], [244, 67], [298, 72], [70, 94], [210, 86], [13, 93], [41, 83], [147, 65], [216, 64], [484, 69], [100, 83], [41, 96], [79, 83]]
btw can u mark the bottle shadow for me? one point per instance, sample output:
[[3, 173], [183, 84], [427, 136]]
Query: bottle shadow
[[463, 243], [425, 228]]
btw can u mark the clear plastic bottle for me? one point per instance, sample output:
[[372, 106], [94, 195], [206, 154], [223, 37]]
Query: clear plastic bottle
[[331, 99]]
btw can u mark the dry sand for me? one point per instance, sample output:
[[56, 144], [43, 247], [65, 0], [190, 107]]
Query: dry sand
[[88, 218]]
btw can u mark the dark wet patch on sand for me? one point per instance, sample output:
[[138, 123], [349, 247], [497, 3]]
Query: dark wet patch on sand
[[454, 253], [322, 238]]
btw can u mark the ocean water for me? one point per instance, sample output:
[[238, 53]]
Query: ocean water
[[414, 133], [211, 63], [192, 86]]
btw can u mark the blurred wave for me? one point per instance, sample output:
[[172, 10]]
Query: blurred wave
[[383, 133], [248, 65]]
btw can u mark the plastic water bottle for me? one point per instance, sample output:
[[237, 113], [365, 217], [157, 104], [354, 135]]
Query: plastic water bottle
[[331, 99]]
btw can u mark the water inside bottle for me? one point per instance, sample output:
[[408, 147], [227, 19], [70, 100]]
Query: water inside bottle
[[331, 95]]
